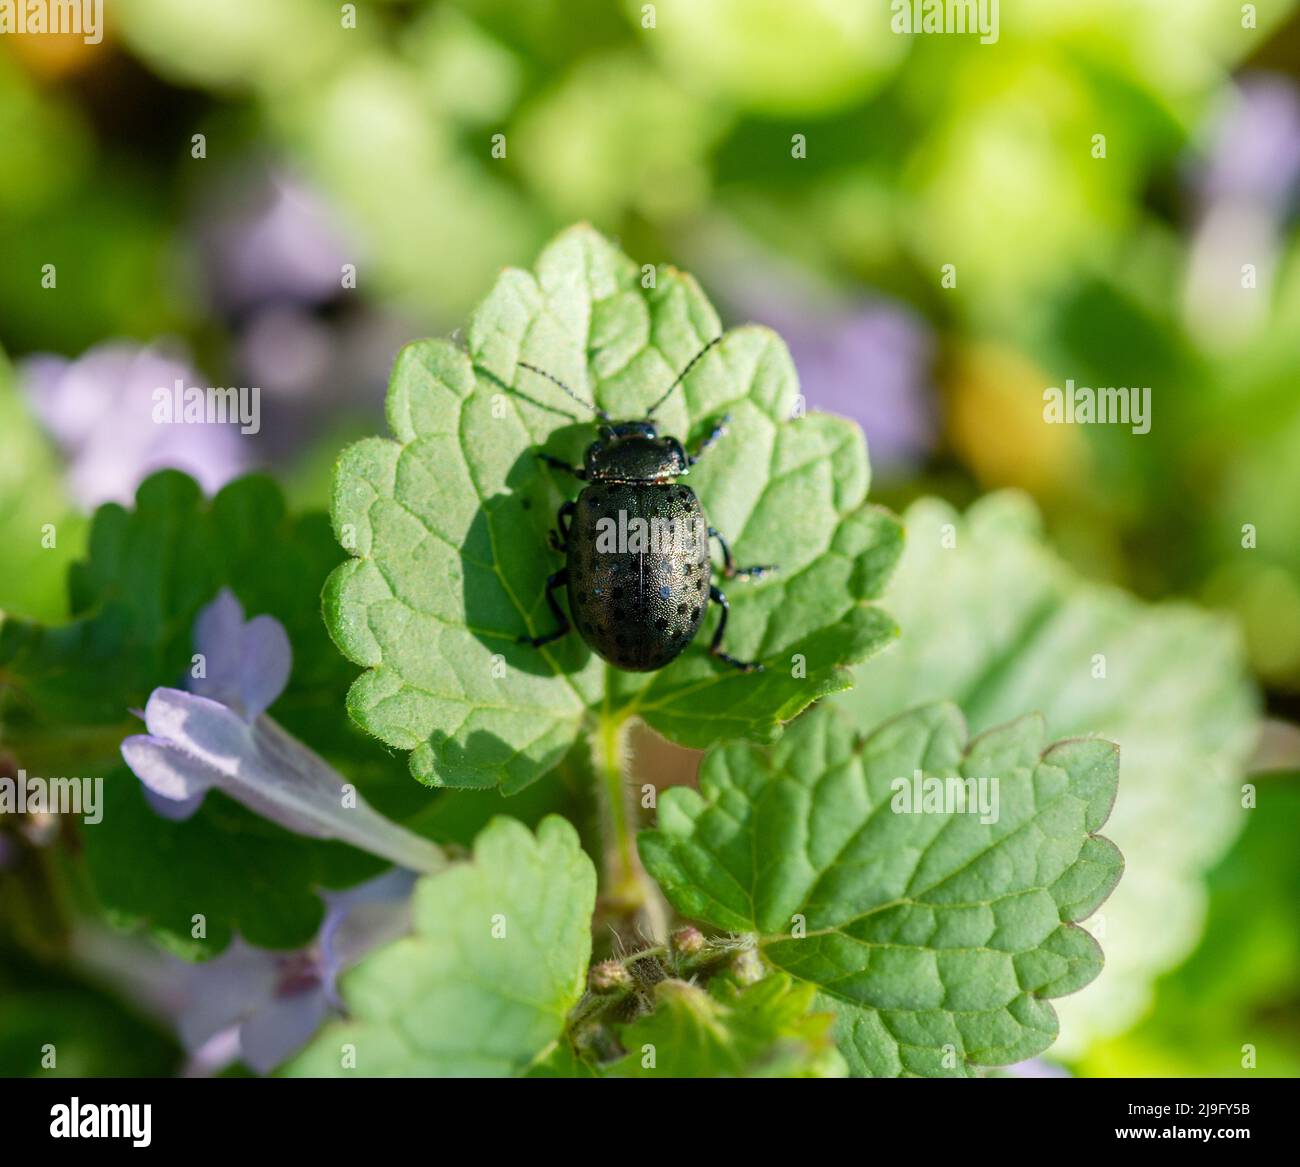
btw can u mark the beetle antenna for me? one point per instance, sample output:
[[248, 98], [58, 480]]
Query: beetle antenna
[[600, 413], [681, 376]]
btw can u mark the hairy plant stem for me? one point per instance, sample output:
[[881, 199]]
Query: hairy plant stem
[[626, 889], [595, 1007]]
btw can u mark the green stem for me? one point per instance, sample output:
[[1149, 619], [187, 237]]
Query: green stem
[[628, 890], [595, 1005], [619, 857]]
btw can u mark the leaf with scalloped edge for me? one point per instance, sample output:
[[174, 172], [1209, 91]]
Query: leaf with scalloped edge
[[447, 523], [936, 937], [995, 621], [483, 985]]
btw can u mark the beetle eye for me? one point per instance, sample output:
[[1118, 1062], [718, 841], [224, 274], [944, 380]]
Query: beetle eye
[[605, 433]]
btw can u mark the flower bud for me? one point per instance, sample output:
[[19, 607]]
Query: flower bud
[[609, 976], [747, 967], [688, 941]]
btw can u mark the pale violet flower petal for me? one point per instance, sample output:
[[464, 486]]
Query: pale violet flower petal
[[270, 772], [174, 786], [363, 918], [221, 992], [175, 809], [268, 237], [274, 1034], [99, 408], [214, 1055], [271, 1003], [217, 637], [246, 664]]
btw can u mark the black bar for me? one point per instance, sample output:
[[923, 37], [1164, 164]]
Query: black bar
[[368, 1115]]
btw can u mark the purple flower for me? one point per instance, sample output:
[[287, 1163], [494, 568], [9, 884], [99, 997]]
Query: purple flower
[[1255, 146], [262, 1006], [273, 256], [869, 362], [269, 238], [246, 665], [1246, 186], [99, 410], [866, 358], [218, 736]]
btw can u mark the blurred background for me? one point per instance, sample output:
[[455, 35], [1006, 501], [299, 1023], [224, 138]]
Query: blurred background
[[270, 193]]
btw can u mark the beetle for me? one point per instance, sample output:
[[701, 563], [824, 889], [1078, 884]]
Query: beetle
[[638, 602]]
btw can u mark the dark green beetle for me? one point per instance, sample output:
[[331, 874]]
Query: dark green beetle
[[638, 570]]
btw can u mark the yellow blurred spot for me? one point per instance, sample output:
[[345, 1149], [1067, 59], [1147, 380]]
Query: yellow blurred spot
[[1265, 597], [51, 56], [996, 423]]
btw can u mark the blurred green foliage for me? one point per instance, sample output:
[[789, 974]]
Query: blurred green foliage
[[1231, 1008]]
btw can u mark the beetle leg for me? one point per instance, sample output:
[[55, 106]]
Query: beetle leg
[[560, 538], [729, 568], [715, 648], [719, 428], [559, 464], [556, 580]]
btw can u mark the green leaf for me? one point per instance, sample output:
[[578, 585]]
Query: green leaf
[[482, 987], [448, 522], [765, 1030], [146, 574], [239, 872], [997, 623], [562, 1062], [66, 693], [935, 937], [34, 508]]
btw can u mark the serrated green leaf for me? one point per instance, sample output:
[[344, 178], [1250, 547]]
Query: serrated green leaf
[[995, 622], [935, 937], [765, 1030], [447, 522], [66, 693], [497, 958]]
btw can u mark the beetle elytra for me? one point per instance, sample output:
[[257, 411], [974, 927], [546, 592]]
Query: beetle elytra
[[638, 601]]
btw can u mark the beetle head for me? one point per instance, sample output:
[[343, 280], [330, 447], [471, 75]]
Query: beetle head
[[621, 430], [633, 451]]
